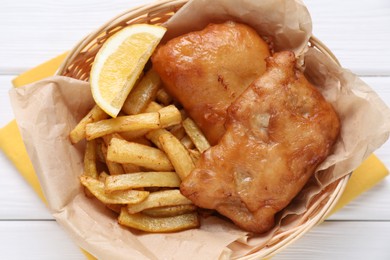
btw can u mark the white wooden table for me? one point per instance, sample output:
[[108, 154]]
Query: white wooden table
[[358, 32]]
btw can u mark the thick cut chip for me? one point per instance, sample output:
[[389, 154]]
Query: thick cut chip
[[107, 138], [90, 159], [95, 114], [170, 211], [102, 176], [99, 151], [119, 197], [140, 122], [169, 116], [130, 168], [121, 151], [115, 207], [153, 107], [131, 135], [142, 94], [163, 97], [113, 167], [178, 131], [136, 126], [187, 142], [141, 140], [195, 155], [178, 154], [159, 199], [196, 135], [154, 136], [142, 179], [158, 225]]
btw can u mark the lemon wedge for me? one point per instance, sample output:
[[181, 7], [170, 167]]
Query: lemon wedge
[[119, 63]]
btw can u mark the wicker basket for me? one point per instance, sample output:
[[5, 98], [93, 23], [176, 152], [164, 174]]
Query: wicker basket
[[78, 65]]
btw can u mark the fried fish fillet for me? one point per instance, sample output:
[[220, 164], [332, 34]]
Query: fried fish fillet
[[278, 131], [207, 70]]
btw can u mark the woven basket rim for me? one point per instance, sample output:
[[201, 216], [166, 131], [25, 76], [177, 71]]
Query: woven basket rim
[[284, 239], [313, 41], [112, 23]]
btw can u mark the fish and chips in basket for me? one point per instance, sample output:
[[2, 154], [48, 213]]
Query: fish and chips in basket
[[206, 129]]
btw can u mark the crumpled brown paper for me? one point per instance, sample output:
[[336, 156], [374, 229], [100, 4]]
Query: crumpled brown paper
[[286, 23], [46, 111]]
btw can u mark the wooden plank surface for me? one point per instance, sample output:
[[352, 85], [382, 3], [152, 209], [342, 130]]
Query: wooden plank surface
[[356, 31], [330, 240], [34, 31], [341, 240], [36, 240]]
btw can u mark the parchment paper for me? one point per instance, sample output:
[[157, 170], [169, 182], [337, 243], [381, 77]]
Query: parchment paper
[[286, 23], [46, 111]]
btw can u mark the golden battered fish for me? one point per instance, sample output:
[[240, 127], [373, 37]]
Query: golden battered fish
[[278, 131], [207, 70]]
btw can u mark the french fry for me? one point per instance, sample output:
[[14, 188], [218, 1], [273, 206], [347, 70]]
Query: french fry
[[115, 207], [130, 168], [131, 135], [187, 142], [178, 131], [141, 179], [163, 97], [169, 211], [145, 121], [178, 155], [90, 167], [99, 152], [107, 138], [195, 155], [120, 197], [121, 151], [169, 116], [158, 225], [154, 136], [142, 140], [142, 94], [127, 167], [79, 132], [183, 114], [113, 167], [90, 160], [102, 176], [153, 107], [159, 199], [196, 135]]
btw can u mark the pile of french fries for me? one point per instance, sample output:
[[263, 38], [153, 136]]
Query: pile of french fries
[[134, 163]]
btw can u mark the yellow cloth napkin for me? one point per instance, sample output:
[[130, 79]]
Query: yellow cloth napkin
[[369, 173], [10, 139]]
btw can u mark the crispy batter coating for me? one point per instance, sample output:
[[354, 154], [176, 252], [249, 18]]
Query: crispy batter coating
[[278, 131], [207, 70]]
